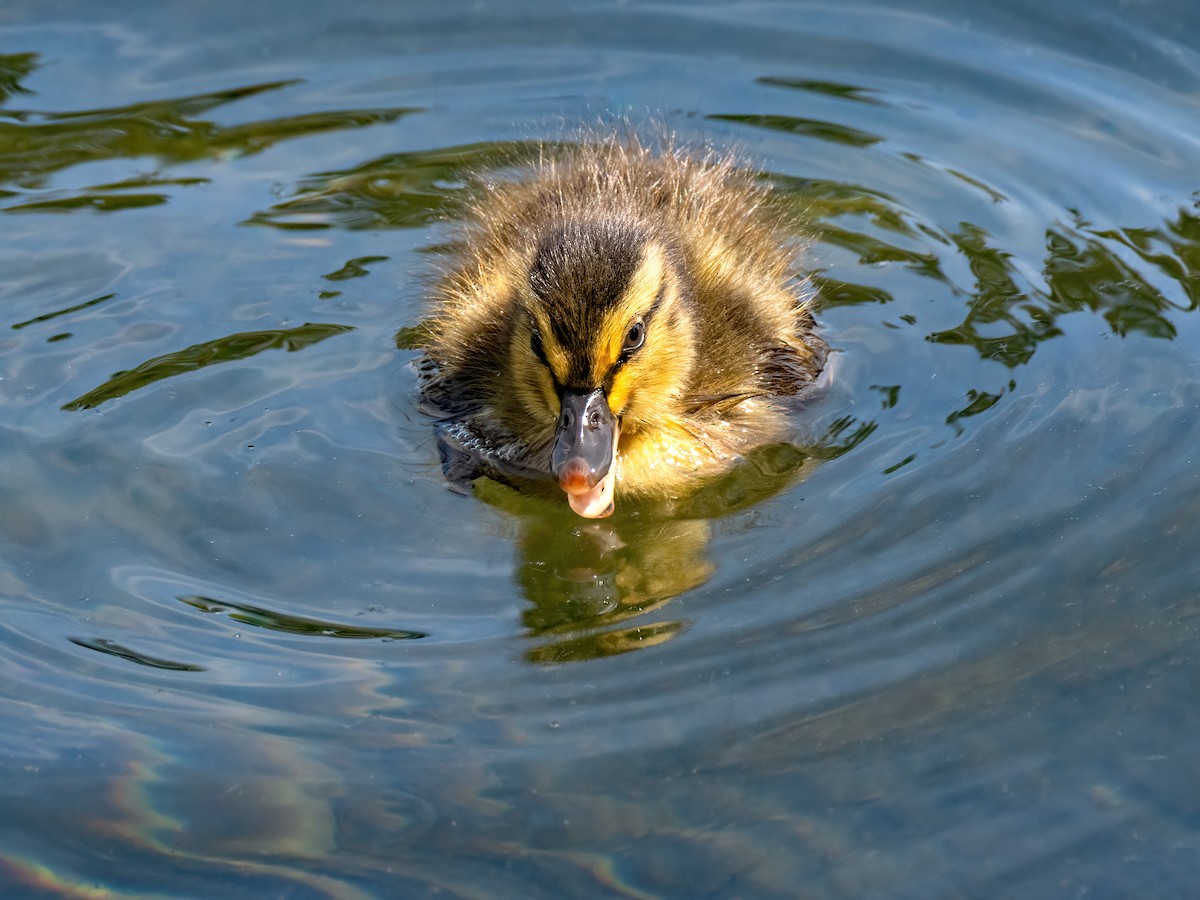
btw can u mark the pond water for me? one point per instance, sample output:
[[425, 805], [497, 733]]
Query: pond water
[[252, 646]]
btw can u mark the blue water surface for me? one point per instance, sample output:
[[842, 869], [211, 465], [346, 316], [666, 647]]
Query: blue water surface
[[252, 646]]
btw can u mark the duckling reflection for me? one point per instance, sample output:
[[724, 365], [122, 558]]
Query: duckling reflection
[[595, 587], [619, 324], [601, 588]]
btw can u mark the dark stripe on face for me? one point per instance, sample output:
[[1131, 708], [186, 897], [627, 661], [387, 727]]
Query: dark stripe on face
[[579, 272], [539, 350]]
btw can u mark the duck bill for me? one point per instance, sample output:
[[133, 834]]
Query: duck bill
[[585, 448]]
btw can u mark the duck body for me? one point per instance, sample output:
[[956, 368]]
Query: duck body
[[619, 323]]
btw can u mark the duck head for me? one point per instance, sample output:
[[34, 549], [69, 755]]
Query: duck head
[[602, 346]]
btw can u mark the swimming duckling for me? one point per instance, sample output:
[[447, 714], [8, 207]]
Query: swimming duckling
[[622, 322]]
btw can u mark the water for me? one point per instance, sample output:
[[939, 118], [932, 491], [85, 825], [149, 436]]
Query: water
[[251, 644]]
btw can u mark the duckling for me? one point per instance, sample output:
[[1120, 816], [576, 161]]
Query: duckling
[[620, 322]]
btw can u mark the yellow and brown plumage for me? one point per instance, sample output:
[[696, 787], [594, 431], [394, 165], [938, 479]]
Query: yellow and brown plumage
[[619, 321]]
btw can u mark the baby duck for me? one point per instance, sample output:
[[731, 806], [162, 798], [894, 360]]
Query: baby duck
[[621, 322]]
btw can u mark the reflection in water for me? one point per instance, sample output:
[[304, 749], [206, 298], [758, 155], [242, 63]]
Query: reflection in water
[[35, 145], [112, 648], [66, 311], [400, 190], [1008, 313], [857, 218], [853, 92], [231, 347], [977, 402], [290, 624], [1082, 271], [814, 128], [587, 579], [14, 67]]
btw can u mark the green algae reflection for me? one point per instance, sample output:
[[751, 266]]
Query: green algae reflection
[[812, 128], [399, 190], [1137, 279], [14, 67], [270, 620], [1083, 270], [112, 648], [227, 349], [35, 145]]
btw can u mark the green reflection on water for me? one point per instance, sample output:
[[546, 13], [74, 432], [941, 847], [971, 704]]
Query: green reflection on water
[[35, 145], [820, 206], [232, 347], [1179, 255], [586, 579], [1008, 313], [412, 337], [354, 268], [977, 402], [14, 67], [112, 648], [400, 190], [814, 128], [289, 624], [1083, 271], [46, 317], [827, 88]]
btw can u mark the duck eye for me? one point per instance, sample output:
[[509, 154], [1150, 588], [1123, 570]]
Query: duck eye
[[535, 344], [635, 337]]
